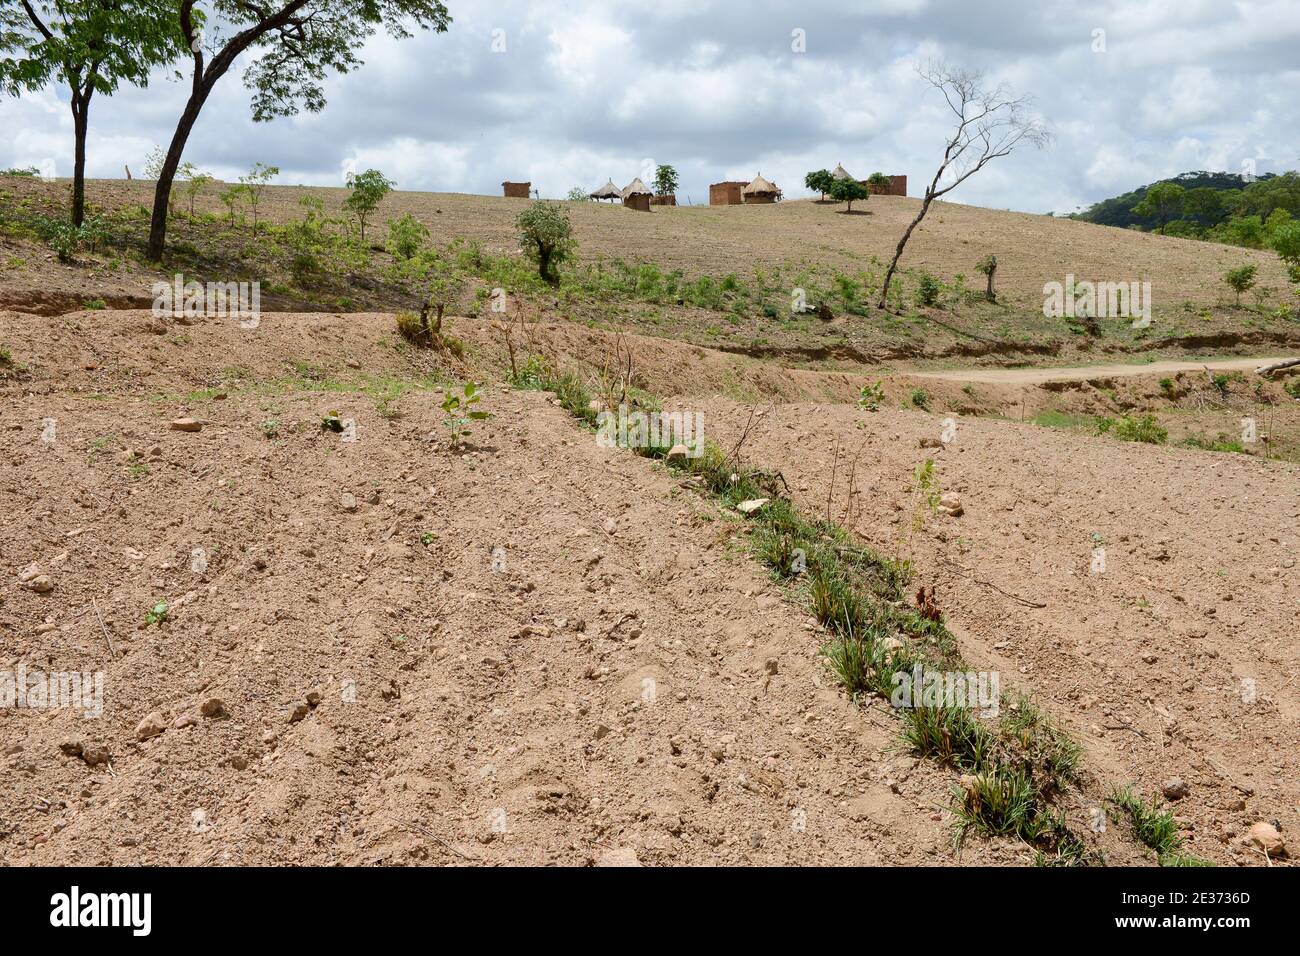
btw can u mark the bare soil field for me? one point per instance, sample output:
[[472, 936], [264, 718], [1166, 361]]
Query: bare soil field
[[556, 652]]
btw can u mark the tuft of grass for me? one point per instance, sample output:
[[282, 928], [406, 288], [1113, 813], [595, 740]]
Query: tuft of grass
[[920, 398], [1154, 826], [951, 735], [1220, 443]]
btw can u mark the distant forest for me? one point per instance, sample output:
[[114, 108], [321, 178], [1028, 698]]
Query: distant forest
[[1202, 205]]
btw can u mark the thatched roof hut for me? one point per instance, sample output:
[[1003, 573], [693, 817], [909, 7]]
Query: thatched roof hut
[[635, 188], [608, 191], [760, 190], [839, 172]]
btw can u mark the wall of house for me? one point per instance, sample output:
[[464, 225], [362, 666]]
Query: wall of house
[[668, 200], [897, 187], [761, 199], [726, 194], [638, 201], [518, 190]]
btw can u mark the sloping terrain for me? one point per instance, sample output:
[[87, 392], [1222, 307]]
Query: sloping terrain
[[1174, 656], [538, 650], [530, 650], [721, 277]]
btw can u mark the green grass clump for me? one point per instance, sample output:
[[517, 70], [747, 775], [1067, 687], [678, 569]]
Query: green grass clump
[[1143, 428], [1155, 827]]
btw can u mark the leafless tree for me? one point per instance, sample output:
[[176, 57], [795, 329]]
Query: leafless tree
[[990, 123]]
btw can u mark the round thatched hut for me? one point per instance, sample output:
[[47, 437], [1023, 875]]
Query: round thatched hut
[[608, 191], [636, 195], [839, 172], [760, 191]]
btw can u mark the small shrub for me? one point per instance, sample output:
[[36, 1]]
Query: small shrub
[[405, 236], [871, 396], [157, 614], [928, 289], [920, 398], [1241, 279], [546, 237]]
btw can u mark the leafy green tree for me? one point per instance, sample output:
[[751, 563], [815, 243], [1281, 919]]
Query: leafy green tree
[[366, 191], [89, 45], [819, 181], [546, 237], [577, 194], [848, 190], [989, 267], [1285, 241], [879, 180], [1204, 204], [292, 46], [1263, 196], [1241, 279], [1245, 231], [1162, 201], [665, 180], [255, 182]]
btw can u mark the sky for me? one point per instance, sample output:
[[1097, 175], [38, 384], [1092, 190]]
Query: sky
[[570, 95]]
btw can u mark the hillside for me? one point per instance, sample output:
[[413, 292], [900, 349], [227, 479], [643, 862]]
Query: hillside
[[722, 277]]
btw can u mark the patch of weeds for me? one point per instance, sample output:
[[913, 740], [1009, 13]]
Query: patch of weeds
[[858, 596], [951, 735], [1221, 443], [271, 427], [920, 398], [1143, 428]]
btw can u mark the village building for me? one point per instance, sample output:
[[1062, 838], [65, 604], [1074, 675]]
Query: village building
[[760, 191], [608, 191]]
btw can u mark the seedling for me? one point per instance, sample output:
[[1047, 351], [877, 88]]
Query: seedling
[[157, 614], [332, 423], [460, 413], [871, 396]]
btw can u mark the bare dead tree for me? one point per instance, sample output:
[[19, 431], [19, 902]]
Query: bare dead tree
[[990, 124]]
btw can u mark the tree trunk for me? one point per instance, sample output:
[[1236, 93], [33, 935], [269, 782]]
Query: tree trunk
[[1285, 363], [989, 293], [162, 192], [80, 123], [902, 243]]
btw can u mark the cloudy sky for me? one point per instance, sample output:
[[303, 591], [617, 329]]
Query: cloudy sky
[[570, 95]]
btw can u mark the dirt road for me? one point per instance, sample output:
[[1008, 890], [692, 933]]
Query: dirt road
[[1037, 376]]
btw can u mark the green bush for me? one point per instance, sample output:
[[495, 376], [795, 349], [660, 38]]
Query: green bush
[[546, 237], [1144, 428], [928, 289], [405, 236]]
